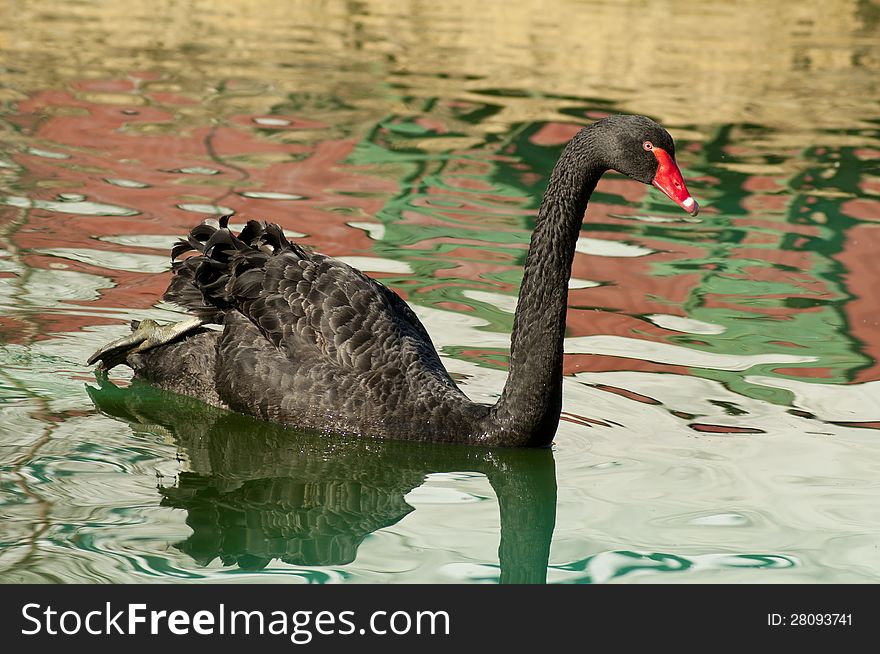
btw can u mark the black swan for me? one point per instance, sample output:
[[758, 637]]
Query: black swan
[[311, 342]]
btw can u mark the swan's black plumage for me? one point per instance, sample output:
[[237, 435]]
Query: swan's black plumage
[[307, 340], [311, 342]]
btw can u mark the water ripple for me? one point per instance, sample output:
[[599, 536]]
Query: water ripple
[[82, 208]]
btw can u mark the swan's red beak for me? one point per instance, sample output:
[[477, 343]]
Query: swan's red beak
[[668, 179]]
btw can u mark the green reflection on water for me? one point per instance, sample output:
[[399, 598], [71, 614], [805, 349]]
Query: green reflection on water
[[609, 566], [255, 492]]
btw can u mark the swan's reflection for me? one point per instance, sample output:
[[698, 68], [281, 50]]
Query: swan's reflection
[[257, 492]]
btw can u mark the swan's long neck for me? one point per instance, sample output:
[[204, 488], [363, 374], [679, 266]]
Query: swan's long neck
[[528, 411]]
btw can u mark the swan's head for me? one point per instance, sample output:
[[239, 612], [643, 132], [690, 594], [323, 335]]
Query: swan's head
[[638, 147]]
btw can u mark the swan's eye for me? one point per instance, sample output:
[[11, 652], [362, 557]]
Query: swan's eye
[[648, 145]]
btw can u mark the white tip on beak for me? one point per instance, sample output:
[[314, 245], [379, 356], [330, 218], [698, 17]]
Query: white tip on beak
[[690, 205]]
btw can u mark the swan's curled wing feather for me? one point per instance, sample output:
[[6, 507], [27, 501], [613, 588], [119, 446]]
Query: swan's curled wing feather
[[306, 304]]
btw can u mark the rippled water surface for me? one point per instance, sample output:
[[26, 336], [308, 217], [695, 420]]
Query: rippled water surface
[[722, 397]]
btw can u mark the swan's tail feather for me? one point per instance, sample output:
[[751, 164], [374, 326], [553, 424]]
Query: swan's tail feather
[[201, 282]]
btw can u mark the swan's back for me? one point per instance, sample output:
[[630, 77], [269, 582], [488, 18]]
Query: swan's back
[[307, 340]]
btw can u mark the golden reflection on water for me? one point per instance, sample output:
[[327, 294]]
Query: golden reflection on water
[[797, 64]]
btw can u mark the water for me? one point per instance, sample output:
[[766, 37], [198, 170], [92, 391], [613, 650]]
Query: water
[[722, 397]]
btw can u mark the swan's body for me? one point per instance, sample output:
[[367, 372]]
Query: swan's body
[[311, 342]]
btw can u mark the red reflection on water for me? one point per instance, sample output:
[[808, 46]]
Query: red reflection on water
[[862, 265], [724, 429], [142, 144]]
